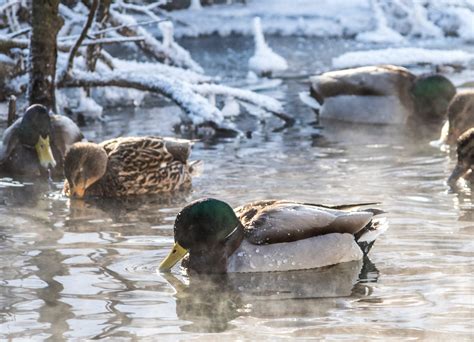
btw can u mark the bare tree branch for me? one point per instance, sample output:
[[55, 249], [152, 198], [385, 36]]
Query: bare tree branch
[[7, 44], [82, 36], [19, 33]]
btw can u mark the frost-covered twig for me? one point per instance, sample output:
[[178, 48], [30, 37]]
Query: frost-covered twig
[[19, 33], [265, 102], [8, 44], [79, 40], [71, 19], [11, 110], [185, 75], [116, 28], [8, 5], [177, 56]]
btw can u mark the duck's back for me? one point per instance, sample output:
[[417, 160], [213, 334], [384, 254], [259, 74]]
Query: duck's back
[[274, 221], [372, 94], [144, 165], [384, 80]]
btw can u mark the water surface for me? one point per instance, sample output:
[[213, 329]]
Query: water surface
[[88, 270]]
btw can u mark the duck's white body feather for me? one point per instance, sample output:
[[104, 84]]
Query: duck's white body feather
[[365, 109], [372, 94], [317, 251]]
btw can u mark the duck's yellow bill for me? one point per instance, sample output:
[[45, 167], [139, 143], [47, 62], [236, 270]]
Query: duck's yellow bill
[[45, 155], [176, 254]]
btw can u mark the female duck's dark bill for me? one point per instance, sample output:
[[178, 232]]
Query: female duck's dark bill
[[175, 255], [459, 171]]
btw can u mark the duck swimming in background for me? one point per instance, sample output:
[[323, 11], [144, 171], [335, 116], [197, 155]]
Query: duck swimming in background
[[270, 235], [465, 165], [384, 94], [265, 61], [37, 141], [127, 167], [460, 116]]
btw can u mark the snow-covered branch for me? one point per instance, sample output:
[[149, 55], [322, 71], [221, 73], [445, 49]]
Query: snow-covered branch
[[197, 107], [7, 44], [172, 72], [172, 53], [81, 38]]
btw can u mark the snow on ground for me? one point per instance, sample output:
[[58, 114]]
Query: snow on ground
[[382, 33], [334, 18], [403, 56], [265, 60]]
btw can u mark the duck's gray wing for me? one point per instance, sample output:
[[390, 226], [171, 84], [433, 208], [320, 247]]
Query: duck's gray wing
[[9, 141], [65, 133], [267, 222], [385, 80]]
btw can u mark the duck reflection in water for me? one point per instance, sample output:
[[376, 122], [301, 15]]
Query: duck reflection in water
[[212, 302], [126, 210]]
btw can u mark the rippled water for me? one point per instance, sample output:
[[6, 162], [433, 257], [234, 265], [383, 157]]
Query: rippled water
[[87, 270]]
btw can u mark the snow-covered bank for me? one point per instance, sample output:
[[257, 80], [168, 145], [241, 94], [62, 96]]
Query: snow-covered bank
[[335, 18], [403, 56]]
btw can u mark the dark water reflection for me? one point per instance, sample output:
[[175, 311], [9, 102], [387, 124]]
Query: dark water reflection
[[84, 270]]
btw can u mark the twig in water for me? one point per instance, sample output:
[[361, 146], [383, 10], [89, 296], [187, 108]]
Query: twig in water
[[11, 110]]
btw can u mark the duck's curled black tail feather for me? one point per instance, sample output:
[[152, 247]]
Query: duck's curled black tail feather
[[366, 237]]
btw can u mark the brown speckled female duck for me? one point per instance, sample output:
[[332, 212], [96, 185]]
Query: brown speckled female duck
[[128, 166], [460, 116], [465, 165]]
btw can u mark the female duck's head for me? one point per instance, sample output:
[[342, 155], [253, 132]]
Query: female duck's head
[[84, 164], [200, 227], [432, 94], [35, 132]]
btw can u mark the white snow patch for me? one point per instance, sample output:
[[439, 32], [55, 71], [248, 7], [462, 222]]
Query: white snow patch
[[195, 5], [296, 17], [231, 107], [382, 33], [466, 22], [118, 97], [176, 54], [263, 101], [5, 59], [77, 101], [334, 18], [421, 25], [402, 56], [265, 60], [161, 69]]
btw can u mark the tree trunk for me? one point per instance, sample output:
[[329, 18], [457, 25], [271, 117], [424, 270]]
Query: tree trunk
[[45, 25]]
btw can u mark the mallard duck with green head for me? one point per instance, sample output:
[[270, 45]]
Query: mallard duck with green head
[[270, 235], [128, 166], [465, 165], [384, 94], [37, 141]]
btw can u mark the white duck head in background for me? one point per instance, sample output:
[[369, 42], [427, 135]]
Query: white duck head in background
[[265, 61]]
